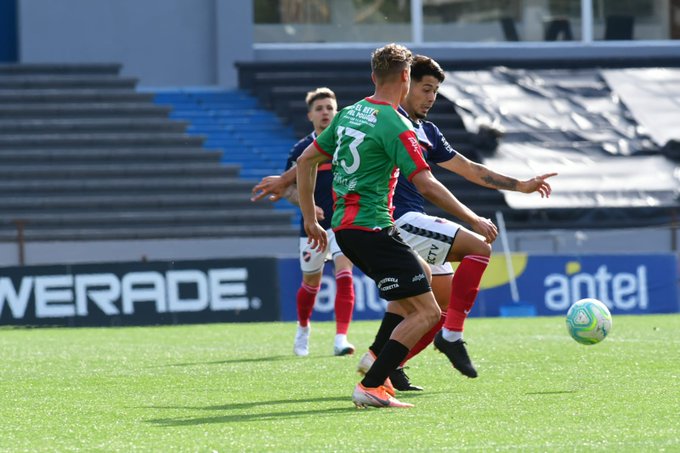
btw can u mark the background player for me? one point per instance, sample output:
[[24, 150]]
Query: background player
[[321, 108]]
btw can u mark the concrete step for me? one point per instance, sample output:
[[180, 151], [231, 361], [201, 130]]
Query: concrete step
[[153, 232], [89, 125], [87, 110], [171, 217], [313, 78], [111, 186], [109, 155], [73, 95], [108, 170], [138, 202], [346, 95], [110, 69], [99, 140], [53, 81]]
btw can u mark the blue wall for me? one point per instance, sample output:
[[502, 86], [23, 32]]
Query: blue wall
[[8, 31]]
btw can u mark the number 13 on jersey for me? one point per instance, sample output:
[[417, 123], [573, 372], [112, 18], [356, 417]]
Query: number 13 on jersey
[[357, 137]]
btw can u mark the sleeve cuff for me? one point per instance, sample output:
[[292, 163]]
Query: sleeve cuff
[[321, 150]]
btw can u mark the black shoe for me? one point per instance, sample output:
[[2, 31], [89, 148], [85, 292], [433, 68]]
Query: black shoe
[[401, 382], [456, 353]]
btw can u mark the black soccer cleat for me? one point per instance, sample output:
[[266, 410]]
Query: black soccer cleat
[[456, 353], [401, 382]]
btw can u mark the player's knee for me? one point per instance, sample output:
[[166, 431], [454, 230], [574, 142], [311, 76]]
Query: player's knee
[[484, 249], [432, 314], [480, 248]]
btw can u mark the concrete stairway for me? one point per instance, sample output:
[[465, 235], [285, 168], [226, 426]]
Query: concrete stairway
[[84, 156]]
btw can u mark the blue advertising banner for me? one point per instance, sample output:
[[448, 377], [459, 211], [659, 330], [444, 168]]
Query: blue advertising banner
[[140, 293], [633, 284], [547, 285]]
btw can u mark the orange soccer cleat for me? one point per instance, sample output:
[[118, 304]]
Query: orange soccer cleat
[[375, 397]]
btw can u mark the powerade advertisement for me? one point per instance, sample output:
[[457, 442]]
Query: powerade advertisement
[[546, 285], [140, 293]]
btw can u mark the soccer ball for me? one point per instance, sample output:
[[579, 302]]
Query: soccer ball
[[589, 321]]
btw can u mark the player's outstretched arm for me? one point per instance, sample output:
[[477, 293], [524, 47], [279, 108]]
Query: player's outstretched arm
[[484, 176], [440, 196], [307, 165], [274, 187]]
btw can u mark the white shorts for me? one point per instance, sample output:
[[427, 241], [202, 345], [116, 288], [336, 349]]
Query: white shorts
[[431, 237], [312, 261]]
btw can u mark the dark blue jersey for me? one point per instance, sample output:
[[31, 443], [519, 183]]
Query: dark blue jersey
[[323, 193], [435, 149]]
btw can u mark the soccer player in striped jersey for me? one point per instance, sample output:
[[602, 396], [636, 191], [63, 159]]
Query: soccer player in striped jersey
[[321, 108]]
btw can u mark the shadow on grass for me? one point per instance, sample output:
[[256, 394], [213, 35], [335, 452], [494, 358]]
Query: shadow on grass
[[254, 417], [241, 360], [249, 417], [554, 392]]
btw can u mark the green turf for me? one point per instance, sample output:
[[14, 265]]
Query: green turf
[[237, 387]]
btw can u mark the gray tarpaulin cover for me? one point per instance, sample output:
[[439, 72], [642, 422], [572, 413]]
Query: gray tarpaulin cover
[[570, 122], [653, 97]]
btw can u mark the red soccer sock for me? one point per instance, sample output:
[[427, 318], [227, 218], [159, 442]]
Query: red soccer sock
[[464, 289], [344, 301], [306, 296], [425, 340]]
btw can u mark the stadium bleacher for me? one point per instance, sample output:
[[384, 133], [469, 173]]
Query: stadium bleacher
[[87, 156], [251, 137], [84, 156]]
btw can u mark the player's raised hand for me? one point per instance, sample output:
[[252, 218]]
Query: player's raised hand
[[316, 236], [538, 184], [486, 228], [272, 187]]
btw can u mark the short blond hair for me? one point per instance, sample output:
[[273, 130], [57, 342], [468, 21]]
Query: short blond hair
[[319, 93], [390, 60]]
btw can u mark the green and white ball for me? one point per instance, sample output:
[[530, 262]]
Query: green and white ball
[[589, 321]]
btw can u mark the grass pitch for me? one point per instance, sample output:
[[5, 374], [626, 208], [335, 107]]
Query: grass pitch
[[237, 387]]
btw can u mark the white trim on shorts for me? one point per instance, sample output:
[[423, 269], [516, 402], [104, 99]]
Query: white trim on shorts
[[431, 237], [312, 261]]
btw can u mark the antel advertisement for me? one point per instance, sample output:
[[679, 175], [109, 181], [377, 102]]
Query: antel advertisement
[[140, 293], [546, 285]]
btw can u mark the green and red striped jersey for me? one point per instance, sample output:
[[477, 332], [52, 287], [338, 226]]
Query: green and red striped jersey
[[370, 143]]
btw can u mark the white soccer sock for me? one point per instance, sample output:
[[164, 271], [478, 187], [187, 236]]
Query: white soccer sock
[[451, 335], [340, 339]]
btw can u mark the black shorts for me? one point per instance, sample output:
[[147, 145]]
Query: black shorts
[[387, 259]]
